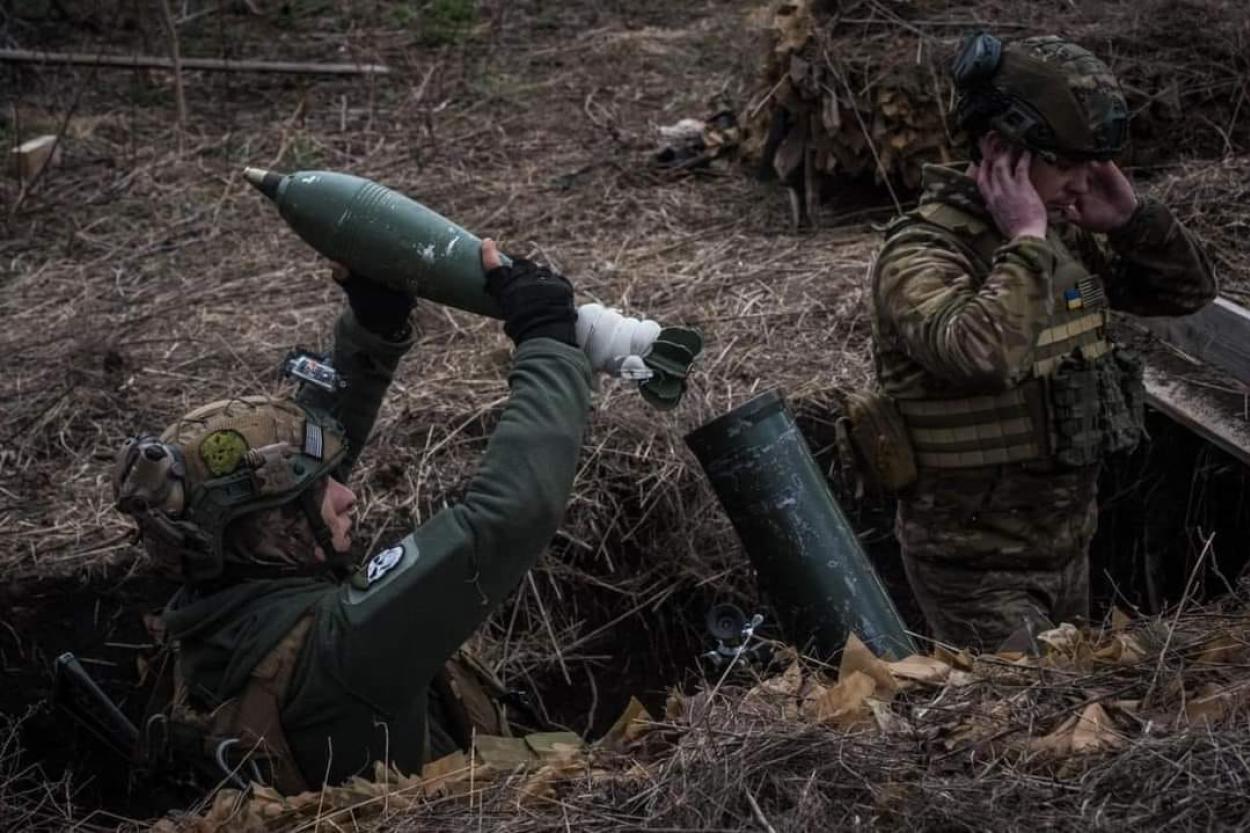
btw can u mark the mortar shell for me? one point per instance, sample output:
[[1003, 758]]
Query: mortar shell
[[380, 233]]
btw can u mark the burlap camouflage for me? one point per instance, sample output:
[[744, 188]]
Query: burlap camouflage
[[989, 549]]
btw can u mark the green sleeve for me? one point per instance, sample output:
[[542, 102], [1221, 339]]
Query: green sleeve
[[1152, 265], [367, 363], [930, 305], [393, 633]]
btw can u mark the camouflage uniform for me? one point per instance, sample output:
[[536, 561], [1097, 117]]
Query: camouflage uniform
[[959, 311]]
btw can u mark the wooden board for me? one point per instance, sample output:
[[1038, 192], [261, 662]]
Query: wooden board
[[1219, 335], [28, 159], [159, 62], [1194, 407]]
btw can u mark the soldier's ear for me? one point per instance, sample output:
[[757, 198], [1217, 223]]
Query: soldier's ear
[[994, 144]]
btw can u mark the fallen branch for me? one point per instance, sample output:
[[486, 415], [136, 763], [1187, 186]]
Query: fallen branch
[[175, 54], [29, 56]]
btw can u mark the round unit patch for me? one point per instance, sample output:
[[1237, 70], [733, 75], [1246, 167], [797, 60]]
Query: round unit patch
[[383, 563], [222, 451]]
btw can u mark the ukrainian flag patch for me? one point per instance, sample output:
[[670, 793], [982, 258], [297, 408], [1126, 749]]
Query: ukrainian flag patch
[[1073, 298]]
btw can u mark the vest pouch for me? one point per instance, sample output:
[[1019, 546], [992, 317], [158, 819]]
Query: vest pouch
[[1123, 394], [872, 433], [479, 693], [1075, 412], [240, 739]]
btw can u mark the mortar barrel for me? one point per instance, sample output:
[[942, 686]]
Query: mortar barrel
[[807, 558]]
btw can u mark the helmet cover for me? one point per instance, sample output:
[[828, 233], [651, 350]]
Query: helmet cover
[[220, 462], [1045, 93]]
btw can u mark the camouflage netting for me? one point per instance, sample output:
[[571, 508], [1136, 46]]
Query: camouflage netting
[[861, 89]]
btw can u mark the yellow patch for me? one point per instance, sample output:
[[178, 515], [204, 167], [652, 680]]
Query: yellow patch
[[222, 451]]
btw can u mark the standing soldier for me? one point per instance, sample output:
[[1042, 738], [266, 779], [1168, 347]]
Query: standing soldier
[[991, 304], [286, 659]]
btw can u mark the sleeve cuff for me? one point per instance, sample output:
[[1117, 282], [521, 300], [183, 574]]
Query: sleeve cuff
[[1151, 222], [351, 331], [553, 347]]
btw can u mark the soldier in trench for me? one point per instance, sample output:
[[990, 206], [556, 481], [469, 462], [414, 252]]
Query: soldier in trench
[[990, 309], [316, 669]]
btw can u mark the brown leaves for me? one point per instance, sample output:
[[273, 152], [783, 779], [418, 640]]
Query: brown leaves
[[845, 119], [920, 669], [549, 758], [843, 705], [958, 700], [1054, 715], [792, 26], [1090, 731], [633, 723], [856, 658]]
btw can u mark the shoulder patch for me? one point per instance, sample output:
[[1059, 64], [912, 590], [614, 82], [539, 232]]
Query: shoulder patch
[[382, 563], [382, 569]]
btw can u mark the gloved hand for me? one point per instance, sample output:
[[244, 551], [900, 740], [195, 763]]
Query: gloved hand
[[379, 309], [536, 302]]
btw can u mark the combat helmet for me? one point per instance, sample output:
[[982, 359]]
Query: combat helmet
[[1046, 93], [218, 463]]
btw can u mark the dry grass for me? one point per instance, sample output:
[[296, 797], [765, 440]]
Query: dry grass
[[29, 800], [138, 290], [143, 282], [139, 281], [1210, 198], [1135, 725]]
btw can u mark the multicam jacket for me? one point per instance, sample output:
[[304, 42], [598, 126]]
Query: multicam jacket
[[964, 316]]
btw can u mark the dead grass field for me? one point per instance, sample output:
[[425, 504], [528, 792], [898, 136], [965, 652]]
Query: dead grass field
[[142, 276]]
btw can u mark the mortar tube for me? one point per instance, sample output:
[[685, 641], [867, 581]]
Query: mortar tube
[[807, 558]]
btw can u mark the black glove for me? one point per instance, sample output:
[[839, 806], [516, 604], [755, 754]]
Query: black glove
[[379, 309], [536, 302]]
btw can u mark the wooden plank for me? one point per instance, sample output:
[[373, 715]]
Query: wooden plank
[[1186, 405], [1218, 334], [217, 64], [28, 159]]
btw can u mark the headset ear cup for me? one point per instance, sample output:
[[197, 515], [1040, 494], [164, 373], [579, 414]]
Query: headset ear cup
[[978, 59]]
